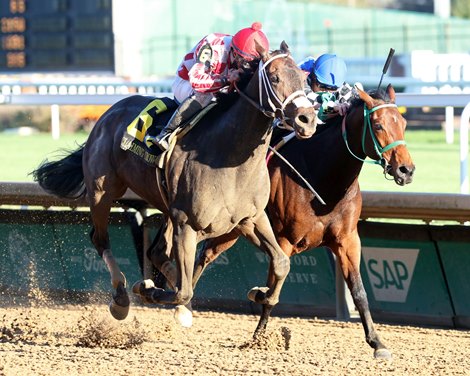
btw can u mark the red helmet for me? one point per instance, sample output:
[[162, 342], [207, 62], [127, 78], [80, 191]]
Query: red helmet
[[243, 42]]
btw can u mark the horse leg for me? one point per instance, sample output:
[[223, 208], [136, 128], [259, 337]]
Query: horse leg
[[184, 250], [212, 249], [348, 252], [160, 252], [287, 248], [160, 255], [100, 206], [260, 233]]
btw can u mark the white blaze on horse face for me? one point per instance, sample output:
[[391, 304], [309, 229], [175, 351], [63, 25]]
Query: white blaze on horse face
[[302, 102]]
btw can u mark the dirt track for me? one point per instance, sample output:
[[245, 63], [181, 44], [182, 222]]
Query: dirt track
[[68, 340]]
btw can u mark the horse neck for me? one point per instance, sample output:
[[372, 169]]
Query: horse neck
[[252, 127], [329, 160]]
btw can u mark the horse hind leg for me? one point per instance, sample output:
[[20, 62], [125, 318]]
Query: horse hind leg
[[212, 249], [160, 252], [100, 208], [349, 257]]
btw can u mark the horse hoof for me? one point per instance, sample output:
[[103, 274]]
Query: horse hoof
[[117, 311], [183, 316], [254, 292], [140, 286], [382, 354]]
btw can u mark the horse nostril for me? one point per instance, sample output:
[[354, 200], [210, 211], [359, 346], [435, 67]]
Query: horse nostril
[[406, 171], [303, 119]]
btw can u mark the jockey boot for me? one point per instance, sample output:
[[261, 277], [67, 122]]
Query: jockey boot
[[186, 110]]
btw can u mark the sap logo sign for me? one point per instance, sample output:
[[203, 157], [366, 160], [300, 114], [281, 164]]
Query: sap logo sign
[[390, 272]]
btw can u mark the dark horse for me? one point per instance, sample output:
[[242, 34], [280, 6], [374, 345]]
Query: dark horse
[[331, 162], [217, 178]]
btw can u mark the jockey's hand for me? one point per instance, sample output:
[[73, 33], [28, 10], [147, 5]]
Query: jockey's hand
[[234, 75], [342, 108]]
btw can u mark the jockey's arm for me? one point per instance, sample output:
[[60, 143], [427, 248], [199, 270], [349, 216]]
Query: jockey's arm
[[203, 80]]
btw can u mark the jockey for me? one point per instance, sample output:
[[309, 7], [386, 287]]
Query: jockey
[[327, 89], [210, 66]]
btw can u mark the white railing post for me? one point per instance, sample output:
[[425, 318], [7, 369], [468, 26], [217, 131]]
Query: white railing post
[[449, 124], [465, 118], [55, 122]]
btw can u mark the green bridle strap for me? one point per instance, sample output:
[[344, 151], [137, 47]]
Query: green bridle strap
[[378, 149], [367, 124]]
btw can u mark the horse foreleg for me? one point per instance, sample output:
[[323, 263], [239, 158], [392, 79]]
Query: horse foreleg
[[260, 233], [211, 250], [184, 249], [287, 248], [349, 256]]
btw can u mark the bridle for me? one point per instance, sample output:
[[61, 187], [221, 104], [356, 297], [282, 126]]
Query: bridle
[[277, 106], [379, 150]]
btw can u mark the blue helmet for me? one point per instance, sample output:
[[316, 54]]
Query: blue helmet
[[307, 64], [330, 70]]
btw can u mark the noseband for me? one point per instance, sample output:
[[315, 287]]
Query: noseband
[[377, 147], [298, 98]]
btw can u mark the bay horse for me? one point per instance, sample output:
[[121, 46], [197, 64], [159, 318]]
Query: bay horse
[[331, 162], [217, 179]]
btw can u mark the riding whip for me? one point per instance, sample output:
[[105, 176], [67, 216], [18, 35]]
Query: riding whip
[[387, 64]]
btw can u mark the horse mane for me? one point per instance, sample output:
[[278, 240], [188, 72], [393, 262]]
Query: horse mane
[[374, 93], [355, 102], [226, 99]]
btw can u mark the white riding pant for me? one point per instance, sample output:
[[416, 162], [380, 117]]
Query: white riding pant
[[182, 89]]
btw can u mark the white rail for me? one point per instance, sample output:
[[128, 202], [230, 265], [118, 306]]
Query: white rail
[[427, 207], [449, 101]]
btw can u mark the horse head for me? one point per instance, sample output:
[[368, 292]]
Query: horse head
[[386, 127], [281, 88]]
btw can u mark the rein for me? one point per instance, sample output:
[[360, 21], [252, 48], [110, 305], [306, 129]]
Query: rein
[[377, 147], [298, 98]]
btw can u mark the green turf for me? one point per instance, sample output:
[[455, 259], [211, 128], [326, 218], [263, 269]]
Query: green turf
[[21, 154], [437, 163], [437, 166]]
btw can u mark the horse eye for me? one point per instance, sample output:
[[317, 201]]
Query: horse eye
[[378, 127], [275, 79]]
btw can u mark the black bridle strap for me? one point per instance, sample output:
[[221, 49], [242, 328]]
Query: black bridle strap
[[266, 87], [251, 101]]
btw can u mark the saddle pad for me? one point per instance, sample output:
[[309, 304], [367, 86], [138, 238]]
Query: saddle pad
[[149, 122]]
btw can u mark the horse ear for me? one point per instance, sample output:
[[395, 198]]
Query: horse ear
[[285, 47], [368, 100], [262, 52], [391, 93]]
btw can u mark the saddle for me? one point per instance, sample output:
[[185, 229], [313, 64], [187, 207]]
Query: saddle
[[150, 121]]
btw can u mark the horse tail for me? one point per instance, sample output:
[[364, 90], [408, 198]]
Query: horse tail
[[63, 178]]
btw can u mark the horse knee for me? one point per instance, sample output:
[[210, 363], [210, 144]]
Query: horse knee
[[281, 266]]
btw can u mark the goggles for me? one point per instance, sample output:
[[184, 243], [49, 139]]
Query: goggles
[[326, 87]]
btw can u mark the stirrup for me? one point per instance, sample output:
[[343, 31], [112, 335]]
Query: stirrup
[[162, 143], [149, 140]]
